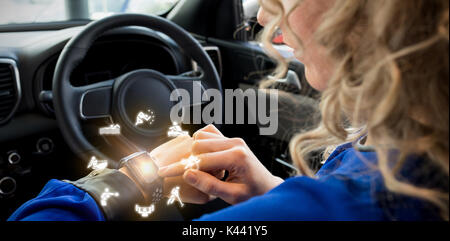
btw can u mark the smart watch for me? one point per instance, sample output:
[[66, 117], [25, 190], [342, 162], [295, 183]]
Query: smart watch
[[143, 170]]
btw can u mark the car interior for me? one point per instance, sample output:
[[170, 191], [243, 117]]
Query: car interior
[[56, 89]]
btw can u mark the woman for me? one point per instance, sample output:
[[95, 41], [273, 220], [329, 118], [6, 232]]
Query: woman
[[382, 68]]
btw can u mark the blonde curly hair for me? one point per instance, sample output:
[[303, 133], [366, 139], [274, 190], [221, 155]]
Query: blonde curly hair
[[392, 82]]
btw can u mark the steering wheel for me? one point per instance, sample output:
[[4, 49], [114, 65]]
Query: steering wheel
[[123, 98]]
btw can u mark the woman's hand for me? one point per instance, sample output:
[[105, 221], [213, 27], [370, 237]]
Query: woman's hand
[[173, 152], [247, 176]]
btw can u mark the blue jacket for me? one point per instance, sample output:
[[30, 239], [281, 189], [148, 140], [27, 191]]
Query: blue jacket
[[347, 187]]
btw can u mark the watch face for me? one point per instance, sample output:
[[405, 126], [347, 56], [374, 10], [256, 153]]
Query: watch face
[[145, 167]]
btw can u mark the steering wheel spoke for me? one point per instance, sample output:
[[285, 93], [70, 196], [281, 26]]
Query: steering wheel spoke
[[193, 83], [95, 100]]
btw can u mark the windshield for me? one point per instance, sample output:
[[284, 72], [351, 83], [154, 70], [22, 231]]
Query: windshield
[[38, 11]]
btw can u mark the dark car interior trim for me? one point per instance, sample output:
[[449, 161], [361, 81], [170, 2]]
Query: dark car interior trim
[[15, 92]]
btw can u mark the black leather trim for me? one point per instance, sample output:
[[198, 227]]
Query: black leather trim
[[120, 208]]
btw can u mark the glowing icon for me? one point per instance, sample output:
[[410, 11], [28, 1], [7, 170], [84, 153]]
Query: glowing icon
[[107, 195], [157, 195], [175, 196], [191, 163], [143, 117], [97, 165], [145, 211], [110, 130], [175, 130]]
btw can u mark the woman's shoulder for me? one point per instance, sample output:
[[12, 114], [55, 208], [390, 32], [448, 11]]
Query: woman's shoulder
[[354, 174], [345, 160]]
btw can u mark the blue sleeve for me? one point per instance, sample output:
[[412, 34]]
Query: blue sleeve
[[59, 201], [305, 199]]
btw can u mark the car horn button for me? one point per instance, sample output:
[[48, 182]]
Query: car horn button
[[142, 102]]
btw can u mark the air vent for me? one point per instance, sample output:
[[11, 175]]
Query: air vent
[[214, 54], [10, 91]]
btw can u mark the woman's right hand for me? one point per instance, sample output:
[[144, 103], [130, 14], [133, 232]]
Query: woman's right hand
[[247, 176]]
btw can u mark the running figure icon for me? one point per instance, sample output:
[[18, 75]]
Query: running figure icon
[[175, 196]]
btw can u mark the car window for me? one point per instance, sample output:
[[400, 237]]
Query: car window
[[38, 11], [250, 8]]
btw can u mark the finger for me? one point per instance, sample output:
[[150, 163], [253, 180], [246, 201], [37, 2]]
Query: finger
[[173, 153], [206, 135], [181, 150], [229, 159], [172, 170], [209, 162], [178, 169], [208, 184], [213, 129], [188, 193], [215, 145]]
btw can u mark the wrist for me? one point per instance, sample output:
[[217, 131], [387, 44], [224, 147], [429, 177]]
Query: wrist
[[273, 182], [142, 170], [125, 171], [115, 193], [277, 181]]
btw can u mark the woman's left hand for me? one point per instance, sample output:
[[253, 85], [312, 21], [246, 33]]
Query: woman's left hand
[[172, 152]]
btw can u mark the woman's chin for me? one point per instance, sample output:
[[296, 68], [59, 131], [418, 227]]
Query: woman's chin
[[313, 80]]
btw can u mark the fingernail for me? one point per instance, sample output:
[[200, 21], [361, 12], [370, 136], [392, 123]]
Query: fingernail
[[191, 177]]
